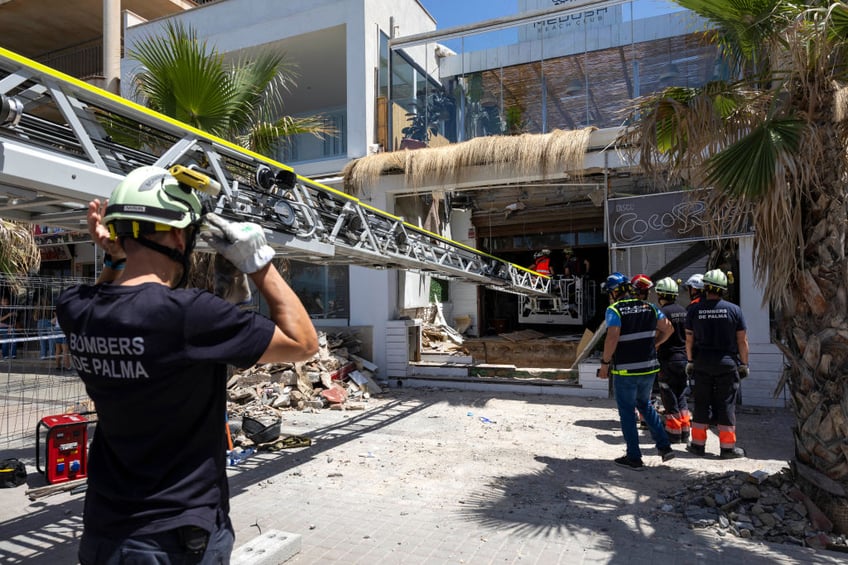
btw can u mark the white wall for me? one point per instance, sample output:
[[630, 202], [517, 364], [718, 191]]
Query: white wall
[[463, 295], [765, 361], [233, 25]]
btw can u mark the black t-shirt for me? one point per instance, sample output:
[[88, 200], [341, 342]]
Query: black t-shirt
[[154, 361], [714, 324], [674, 348]]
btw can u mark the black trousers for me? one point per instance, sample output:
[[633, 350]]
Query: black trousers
[[714, 395], [674, 386]]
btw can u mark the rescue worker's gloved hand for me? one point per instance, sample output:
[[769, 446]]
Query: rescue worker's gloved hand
[[742, 370], [241, 243], [230, 283], [690, 369]]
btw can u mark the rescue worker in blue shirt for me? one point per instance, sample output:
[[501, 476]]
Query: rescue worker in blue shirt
[[634, 328], [717, 352]]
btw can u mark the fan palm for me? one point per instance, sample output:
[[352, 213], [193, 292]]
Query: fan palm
[[772, 141], [184, 78]]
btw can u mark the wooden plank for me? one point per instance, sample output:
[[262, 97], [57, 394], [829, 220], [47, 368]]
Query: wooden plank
[[522, 335]]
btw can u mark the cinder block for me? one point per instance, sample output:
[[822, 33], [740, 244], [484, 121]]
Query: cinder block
[[271, 548]]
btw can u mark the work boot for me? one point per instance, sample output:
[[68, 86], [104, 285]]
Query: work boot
[[732, 453], [696, 449], [625, 461], [667, 454], [684, 437], [674, 438]]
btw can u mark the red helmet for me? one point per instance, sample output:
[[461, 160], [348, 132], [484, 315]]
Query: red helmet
[[641, 283]]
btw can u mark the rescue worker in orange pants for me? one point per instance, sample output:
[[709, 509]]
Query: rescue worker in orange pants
[[671, 354], [717, 353]]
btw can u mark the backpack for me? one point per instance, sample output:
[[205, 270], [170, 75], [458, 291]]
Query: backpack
[[12, 473]]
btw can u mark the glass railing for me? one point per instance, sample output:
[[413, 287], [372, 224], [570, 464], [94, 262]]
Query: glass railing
[[569, 70], [304, 148]]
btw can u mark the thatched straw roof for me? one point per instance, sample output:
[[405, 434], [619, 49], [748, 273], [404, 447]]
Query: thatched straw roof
[[544, 154]]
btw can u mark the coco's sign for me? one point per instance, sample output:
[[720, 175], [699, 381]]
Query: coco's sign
[[662, 218]]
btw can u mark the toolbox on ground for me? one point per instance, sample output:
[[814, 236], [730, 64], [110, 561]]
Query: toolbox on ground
[[66, 447]]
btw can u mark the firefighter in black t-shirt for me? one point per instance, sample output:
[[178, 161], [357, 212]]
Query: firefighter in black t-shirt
[[717, 352], [672, 357], [153, 357]]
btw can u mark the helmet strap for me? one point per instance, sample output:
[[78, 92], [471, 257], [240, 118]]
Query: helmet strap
[[174, 254]]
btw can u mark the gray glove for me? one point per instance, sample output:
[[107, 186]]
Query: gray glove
[[241, 243], [742, 370], [230, 283], [690, 369]]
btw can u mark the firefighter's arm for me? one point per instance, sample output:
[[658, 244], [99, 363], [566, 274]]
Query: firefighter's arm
[[742, 345], [610, 344], [664, 331], [294, 338], [690, 344], [113, 264]]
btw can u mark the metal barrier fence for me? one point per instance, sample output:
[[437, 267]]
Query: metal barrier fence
[[35, 375]]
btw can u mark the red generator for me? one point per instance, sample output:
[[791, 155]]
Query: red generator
[[66, 441]]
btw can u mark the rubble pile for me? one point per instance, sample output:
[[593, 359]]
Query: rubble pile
[[335, 378], [757, 506], [437, 336]]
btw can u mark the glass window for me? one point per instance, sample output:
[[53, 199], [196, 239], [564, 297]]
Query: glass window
[[323, 289]]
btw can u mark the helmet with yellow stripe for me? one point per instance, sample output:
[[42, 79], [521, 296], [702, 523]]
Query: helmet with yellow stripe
[[150, 199]]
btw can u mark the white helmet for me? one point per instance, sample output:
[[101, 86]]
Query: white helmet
[[696, 281]]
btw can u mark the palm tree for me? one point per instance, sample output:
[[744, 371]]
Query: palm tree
[[182, 77], [772, 140]]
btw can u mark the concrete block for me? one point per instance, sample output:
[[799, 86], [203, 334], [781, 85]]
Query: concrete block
[[271, 548], [590, 384]]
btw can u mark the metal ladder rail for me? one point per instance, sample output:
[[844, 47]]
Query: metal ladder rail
[[303, 231]]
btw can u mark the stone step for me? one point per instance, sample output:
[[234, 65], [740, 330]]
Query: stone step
[[425, 368], [436, 357]]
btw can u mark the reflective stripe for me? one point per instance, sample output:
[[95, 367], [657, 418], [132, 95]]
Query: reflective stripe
[[638, 335], [634, 374], [649, 364]]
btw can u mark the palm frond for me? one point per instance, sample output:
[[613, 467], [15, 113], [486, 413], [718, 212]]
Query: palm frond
[[18, 252], [184, 79], [749, 166], [265, 137]]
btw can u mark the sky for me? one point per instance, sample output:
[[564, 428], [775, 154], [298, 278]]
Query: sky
[[450, 13]]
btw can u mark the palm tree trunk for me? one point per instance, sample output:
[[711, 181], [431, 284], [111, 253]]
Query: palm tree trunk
[[816, 339]]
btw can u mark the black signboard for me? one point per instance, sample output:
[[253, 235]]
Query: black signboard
[[659, 218]]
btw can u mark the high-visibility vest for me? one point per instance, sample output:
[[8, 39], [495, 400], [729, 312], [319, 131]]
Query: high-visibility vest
[[543, 265], [635, 353]]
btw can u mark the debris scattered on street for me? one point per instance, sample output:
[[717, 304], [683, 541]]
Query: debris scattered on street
[[335, 378], [754, 505]]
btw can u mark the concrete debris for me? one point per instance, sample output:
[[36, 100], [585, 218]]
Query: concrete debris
[[336, 378], [754, 505]]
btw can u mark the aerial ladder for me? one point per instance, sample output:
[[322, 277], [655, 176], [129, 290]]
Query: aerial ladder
[[64, 142]]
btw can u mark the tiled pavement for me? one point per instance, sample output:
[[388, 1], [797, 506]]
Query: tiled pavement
[[418, 478]]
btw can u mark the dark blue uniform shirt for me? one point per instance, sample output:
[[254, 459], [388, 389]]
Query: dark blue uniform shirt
[[714, 324], [154, 361]]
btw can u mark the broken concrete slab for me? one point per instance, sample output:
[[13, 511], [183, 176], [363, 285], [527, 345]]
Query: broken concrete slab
[[271, 548]]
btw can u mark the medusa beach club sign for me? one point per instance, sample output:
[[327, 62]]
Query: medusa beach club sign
[[667, 217]]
